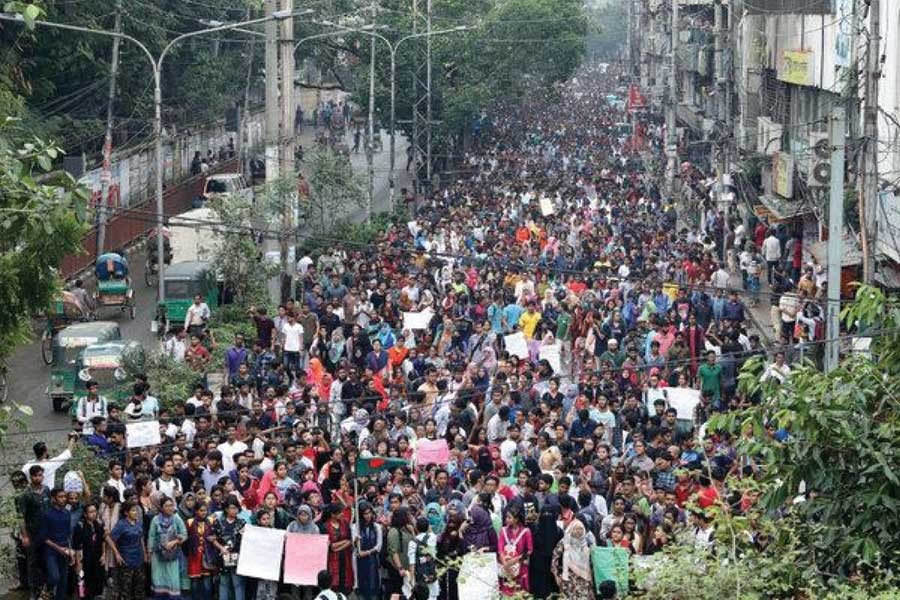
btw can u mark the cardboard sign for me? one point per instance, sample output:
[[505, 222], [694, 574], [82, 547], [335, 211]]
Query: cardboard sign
[[430, 452], [516, 345], [683, 400], [417, 320], [143, 433], [261, 552], [304, 556], [553, 355]]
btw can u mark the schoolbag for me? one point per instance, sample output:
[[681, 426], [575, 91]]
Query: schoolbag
[[426, 567]]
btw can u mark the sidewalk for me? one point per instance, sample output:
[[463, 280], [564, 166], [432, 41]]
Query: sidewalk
[[380, 200]]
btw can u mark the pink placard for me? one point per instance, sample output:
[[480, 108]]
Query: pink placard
[[304, 556], [432, 452]]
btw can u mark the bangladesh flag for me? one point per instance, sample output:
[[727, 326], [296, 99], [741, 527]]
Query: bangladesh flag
[[374, 464]]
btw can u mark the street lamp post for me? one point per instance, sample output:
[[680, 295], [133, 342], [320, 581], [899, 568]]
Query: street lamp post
[[392, 49], [156, 65]]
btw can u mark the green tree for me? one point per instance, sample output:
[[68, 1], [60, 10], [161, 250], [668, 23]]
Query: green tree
[[334, 189]]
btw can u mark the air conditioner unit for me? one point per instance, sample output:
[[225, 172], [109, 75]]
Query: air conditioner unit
[[818, 161], [768, 136]]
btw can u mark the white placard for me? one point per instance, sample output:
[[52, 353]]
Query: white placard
[[547, 208], [552, 354], [478, 576], [142, 433], [261, 552], [683, 400], [516, 345], [417, 320]]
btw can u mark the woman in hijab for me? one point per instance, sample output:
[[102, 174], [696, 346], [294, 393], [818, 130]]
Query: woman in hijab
[[546, 534], [187, 506], [435, 517], [450, 548], [304, 522], [571, 564], [167, 534], [478, 531], [336, 347], [368, 540]]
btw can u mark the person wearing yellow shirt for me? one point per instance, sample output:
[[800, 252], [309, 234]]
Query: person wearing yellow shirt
[[529, 320]]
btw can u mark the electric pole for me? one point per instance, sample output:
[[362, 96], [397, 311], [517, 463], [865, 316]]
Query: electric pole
[[671, 117], [106, 173], [835, 242], [370, 146], [868, 186], [722, 142], [286, 150], [271, 92]]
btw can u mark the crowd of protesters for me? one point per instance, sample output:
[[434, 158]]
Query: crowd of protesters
[[559, 233]]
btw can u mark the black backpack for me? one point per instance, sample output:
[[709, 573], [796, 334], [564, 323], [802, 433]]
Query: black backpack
[[426, 566]]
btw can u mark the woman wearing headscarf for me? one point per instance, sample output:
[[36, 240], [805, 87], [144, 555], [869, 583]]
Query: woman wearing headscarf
[[336, 346], [167, 533], [87, 541], [450, 548], [571, 564], [546, 535], [478, 531], [367, 537], [187, 506], [340, 551]]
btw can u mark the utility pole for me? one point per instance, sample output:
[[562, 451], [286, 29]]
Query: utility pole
[[106, 173], [671, 118], [721, 110], [244, 112], [868, 187], [271, 92], [370, 146], [835, 242], [629, 5], [286, 150]]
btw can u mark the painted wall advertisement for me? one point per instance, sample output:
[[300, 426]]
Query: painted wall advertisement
[[796, 67], [783, 174], [844, 12]]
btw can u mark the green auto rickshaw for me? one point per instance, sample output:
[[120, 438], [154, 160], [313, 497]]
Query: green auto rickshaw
[[66, 346], [183, 281], [106, 363], [114, 283]]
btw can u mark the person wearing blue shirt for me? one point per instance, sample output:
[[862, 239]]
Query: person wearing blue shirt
[[511, 314], [733, 309], [97, 440], [582, 428], [56, 534], [495, 316]]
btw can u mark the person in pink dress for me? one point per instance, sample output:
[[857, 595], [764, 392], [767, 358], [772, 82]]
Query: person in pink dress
[[514, 547]]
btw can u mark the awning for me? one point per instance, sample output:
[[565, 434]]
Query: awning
[[851, 255], [783, 209]]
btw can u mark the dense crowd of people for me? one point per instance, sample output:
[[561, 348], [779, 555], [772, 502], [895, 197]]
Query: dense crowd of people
[[570, 442]]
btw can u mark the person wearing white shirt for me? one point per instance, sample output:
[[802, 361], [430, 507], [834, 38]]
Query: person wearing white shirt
[[196, 316], [292, 344], [90, 406], [720, 278], [779, 370], [510, 446], [50, 465], [498, 425], [428, 543], [303, 264], [229, 448], [176, 346], [771, 250]]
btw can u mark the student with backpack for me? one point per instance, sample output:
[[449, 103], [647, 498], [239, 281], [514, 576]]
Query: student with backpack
[[423, 561], [325, 591]]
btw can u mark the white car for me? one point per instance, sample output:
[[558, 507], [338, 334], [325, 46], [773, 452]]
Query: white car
[[226, 183]]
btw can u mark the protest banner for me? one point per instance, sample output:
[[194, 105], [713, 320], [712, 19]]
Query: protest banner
[[553, 355], [304, 556], [478, 576], [611, 564], [261, 552], [516, 344], [430, 452], [417, 320], [683, 400], [142, 433], [547, 207]]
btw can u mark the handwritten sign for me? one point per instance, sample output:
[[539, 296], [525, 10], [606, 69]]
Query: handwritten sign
[[417, 320], [261, 552], [478, 576], [683, 400], [553, 355], [304, 556], [516, 345], [430, 452], [144, 433], [547, 207]]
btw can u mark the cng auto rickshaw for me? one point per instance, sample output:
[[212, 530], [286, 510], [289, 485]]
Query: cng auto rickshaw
[[105, 363], [113, 283], [66, 347], [183, 281], [64, 311]]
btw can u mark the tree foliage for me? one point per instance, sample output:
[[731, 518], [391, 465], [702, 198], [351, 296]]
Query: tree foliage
[[334, 189], [829, 493]]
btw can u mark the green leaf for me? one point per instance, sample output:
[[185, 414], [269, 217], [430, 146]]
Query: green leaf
[[25, 409], [45, 162]]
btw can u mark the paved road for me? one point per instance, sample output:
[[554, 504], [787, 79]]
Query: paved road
[[28, 374]]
